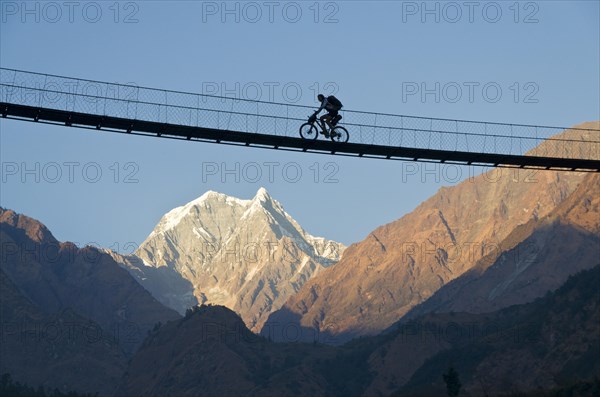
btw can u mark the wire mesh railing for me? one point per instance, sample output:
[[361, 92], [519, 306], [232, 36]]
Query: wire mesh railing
[[281, 119]]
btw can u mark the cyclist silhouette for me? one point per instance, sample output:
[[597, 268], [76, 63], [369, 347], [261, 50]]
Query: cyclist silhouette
[[332, 105]]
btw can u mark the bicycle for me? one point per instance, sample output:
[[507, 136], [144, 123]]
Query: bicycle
[[311, 131]]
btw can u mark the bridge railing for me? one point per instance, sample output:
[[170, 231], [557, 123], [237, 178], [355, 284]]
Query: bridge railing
[[234, 114]]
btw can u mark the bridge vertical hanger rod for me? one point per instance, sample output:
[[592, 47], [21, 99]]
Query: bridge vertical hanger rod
[[374, 129], [257, 112], [511, 139], [457, 135], [197, 110], [137, 96], [401, 129], [495, 144], [287, 117], [430, 130], [42, 93], [105, 99], [485, 135], [8, 99]]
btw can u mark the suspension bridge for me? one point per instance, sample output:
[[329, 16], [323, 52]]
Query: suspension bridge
[[129, 109]]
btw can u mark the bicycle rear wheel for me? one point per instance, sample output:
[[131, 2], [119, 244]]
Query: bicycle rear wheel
[[340, 134], [309, 131]]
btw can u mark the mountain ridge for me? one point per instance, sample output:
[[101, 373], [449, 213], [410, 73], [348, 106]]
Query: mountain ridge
[[58, 275], [403, 263]]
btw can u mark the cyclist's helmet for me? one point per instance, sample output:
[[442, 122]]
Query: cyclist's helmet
[[320, 97]]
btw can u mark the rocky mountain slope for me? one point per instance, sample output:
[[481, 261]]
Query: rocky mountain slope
[[248, 255], [56, 276], [212, 353], [62, 350], [402, 264], [551, 341], [539, 256]]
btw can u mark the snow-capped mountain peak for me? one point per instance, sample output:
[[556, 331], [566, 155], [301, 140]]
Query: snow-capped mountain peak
[[262, 195], [174, 217], [249, 255]]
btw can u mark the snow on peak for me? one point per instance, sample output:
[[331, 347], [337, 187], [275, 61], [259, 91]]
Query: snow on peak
[[174, 217], [262, 195], [262, 204]]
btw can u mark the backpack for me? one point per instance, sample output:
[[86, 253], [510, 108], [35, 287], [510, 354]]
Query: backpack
[[334, 101]]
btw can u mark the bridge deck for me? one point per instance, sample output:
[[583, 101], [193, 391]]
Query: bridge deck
[[137, 110]]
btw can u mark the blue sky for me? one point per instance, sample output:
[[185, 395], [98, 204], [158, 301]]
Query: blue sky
[[545, 57]]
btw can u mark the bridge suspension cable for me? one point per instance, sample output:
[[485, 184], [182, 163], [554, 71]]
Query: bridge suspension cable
[[140, 110]]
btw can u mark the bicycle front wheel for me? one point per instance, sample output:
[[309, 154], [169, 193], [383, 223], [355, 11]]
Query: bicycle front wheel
[[340, 134], [309, 131]]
